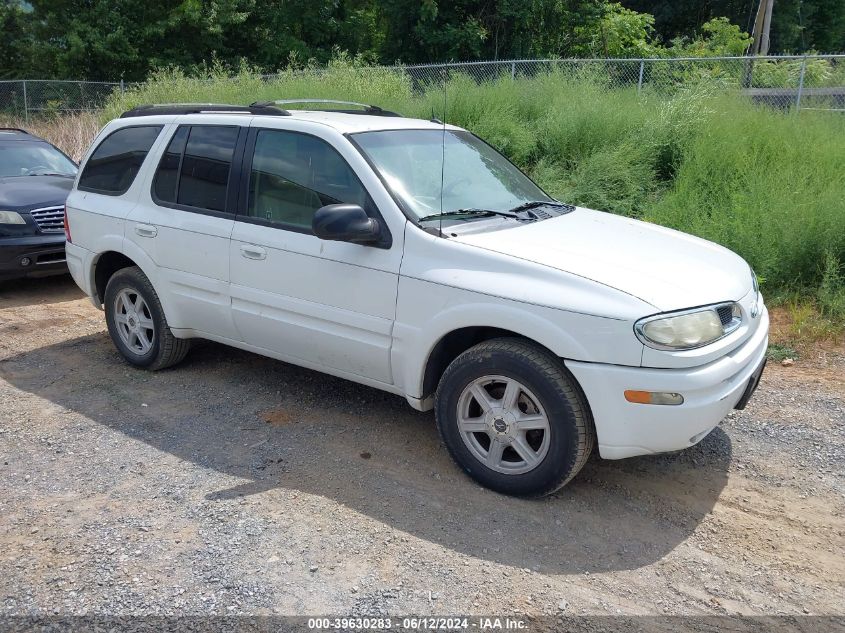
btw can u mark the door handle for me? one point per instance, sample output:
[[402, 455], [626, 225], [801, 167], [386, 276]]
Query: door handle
[[146, 230], [253, 252]]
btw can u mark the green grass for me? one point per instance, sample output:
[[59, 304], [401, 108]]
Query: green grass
[[767, 184], [777, 352]]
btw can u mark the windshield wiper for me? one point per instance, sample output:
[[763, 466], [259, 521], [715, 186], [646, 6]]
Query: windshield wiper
[[50, 173], [473, 213], [537, 203]]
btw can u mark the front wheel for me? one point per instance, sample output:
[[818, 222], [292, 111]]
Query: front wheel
[[513, 417], [136, 322]]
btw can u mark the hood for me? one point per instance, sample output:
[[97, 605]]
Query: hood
[[666, 268], [21, 193]]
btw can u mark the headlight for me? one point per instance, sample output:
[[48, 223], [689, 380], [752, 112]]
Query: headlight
[[10, 217], [691, 328]]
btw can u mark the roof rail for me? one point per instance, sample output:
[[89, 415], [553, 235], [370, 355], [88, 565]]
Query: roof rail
[[14, 129], [372, 110], [203, 108]]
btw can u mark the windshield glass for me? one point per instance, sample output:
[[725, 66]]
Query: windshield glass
[[474, 175], [23, 158]]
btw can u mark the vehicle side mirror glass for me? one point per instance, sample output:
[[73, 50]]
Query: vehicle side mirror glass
[[345, 223]]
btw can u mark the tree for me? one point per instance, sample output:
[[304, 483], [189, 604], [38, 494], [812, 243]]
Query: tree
[[276, 30], [718, 37], [14, 41], [797, 25], [807, 25], [463, 30], [114, 39], [619, 32], [110, 39], [428, 30]]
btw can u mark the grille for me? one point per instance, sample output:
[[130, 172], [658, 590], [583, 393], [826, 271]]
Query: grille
[[49, 219], [725, 314]]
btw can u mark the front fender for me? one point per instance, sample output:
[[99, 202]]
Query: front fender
[[427, 312]]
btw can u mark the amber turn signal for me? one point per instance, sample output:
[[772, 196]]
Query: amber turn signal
[[653, 397]]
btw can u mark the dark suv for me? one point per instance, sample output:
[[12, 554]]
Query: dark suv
[[35, 179]]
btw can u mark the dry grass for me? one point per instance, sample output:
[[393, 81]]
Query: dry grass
[[799, 329], [71, 133]]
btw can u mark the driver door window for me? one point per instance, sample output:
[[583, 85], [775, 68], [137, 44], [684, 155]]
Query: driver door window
[[293, 175]]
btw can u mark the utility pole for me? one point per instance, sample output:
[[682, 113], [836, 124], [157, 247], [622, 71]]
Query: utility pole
[[762, 28], [759, 38]]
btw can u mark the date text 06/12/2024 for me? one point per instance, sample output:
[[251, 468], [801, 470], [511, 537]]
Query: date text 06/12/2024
[[483, 623]]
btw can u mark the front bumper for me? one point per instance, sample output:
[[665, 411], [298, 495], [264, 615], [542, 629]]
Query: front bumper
[[710, 391], [45, 255]]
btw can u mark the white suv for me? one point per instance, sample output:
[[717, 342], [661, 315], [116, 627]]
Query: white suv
[[410, 256]]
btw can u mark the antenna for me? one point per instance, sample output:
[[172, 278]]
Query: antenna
[[443, 150]]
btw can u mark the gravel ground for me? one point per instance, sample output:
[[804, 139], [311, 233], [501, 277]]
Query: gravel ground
[[235, 484]]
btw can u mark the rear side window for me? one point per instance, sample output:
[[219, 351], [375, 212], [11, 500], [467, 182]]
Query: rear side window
[[116, 161], [167, 175], [194, 170]]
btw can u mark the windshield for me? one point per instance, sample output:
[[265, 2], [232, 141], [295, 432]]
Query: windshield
[[474, 175], [24, 158]]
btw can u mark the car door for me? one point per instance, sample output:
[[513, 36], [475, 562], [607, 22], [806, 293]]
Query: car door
[[111, 183], [320, 303], [186, 222]]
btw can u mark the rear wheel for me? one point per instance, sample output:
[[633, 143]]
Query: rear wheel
[[137, 324], [513, 417]]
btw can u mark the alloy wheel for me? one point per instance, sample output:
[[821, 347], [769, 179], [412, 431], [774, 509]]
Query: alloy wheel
[[503, 424], [134, 321]]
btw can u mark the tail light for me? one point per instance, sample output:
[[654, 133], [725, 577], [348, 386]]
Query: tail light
[[67, 227]]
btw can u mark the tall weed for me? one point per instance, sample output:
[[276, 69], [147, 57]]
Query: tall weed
[[767, 184], [832, 289], [72, 133]]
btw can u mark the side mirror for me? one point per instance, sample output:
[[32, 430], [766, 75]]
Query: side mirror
[[345, 223]]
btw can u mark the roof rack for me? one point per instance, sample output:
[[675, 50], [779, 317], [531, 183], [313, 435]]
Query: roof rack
[[372, 110], [267, 108], [203, 108]]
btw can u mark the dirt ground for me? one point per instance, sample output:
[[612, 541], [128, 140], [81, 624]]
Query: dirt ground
[[236, 484]]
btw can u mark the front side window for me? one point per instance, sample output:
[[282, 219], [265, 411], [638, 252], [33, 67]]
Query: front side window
[[295, 174], [472, 176], [116, 161], [33, 158], [194, 170]]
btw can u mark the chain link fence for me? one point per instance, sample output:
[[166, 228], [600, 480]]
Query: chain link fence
[[23, 99], [810, 82]]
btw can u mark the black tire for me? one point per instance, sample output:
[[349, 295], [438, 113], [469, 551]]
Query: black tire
[[571, 431], [166, 349]]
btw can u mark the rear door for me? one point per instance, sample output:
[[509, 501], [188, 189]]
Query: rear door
[[323, 303], [186, 221], [109, 185]]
